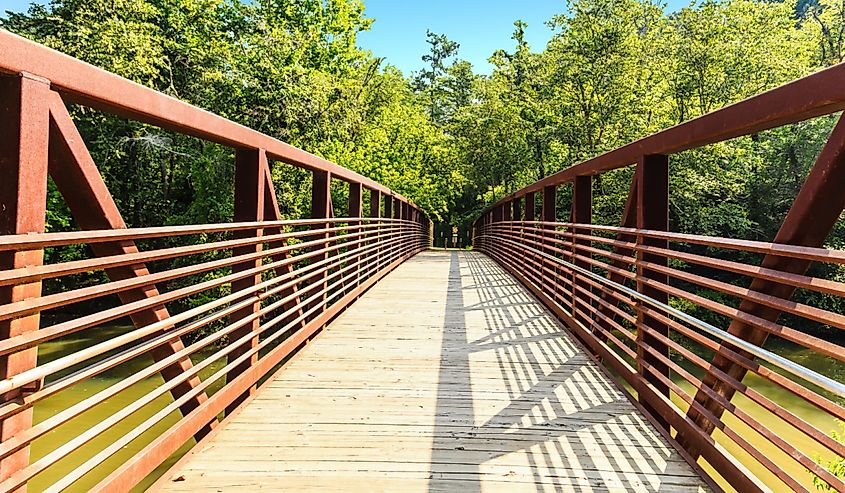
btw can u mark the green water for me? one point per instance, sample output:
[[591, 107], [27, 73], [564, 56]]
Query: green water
[[66, 398], [811, 414], [67, 431]]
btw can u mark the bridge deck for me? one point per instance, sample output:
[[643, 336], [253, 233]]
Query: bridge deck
[[446, 376]]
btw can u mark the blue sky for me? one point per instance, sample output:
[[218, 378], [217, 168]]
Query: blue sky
[[480, 26]]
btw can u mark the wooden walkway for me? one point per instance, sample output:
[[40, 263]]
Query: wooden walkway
[[445, 376]]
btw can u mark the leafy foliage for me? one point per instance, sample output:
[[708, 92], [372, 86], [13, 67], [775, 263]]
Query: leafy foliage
[[837, 467], [446, 137]]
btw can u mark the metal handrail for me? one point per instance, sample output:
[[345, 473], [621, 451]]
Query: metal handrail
[[788, 365]]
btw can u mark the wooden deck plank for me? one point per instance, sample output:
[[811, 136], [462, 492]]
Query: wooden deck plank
[[445, 376]]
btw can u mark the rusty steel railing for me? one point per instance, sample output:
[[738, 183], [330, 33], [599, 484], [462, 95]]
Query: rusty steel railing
[[685, 322], [214, 309]]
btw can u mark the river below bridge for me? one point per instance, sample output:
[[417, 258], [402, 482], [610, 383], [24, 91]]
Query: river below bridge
[[63, 400]]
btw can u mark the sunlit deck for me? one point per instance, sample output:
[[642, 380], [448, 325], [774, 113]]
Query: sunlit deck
[[428, 384]]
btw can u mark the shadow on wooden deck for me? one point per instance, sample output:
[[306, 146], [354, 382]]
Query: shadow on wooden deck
[[445, 376], [560, 413]]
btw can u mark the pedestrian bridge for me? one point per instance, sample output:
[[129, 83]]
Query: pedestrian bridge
[[447, 375], [340, 352]]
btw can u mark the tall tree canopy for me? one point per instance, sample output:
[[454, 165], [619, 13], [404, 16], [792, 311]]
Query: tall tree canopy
[[450, 139]]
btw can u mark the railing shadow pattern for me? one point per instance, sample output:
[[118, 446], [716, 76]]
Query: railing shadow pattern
[[693, 324], [558, 411]]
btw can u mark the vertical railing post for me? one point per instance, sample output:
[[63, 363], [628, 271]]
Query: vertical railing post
[[321, 207], [409, 216], [652, 214], [530, 216], [530, 206], [355, 195], [375, 213], [397, 214], [516, 216], [548, 214], [497, 214], [412, 216], [507, 217], [582, 213], [420, 220], [406, 215], [249, 206], [388, 214], [480, 239], [25, 125], [402, 215], [388, 207], [491, 222]]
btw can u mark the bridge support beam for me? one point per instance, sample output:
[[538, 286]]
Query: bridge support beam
[[582, 213], [629, 220], [273, 213], [321, 208], [250, 185], [812, 217], [530, 206], [25, 125], [375, 213], [652, 214], [517, 209], [516, 216], [498, 214], [530, 215], [507, 215], [549, 214], [79, 181], [355, 210], [388, 207]]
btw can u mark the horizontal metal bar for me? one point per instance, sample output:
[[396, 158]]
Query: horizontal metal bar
[[63, 328], [43, 240], [762, 247], [833, 386], [101, 427], [42, 371], [41, 272]]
